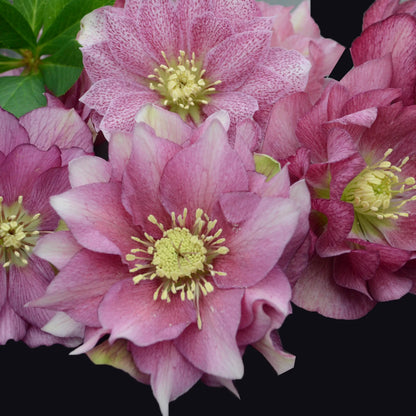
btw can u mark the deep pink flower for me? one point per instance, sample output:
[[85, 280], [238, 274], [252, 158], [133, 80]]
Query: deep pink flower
[[33, 154], [192, 57], [356, 149], [390, 30], [296, 30], [174, 246]]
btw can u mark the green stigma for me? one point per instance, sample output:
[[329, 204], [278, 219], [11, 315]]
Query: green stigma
[[181, 259], [378, 194], [18, 233], [181, 84]]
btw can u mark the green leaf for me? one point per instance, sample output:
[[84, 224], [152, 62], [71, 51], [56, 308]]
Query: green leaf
[[266, 165], [67, 22], [15, 31], [52, 10], [32, 11], [19, 95], [61, 70], [7, 63]]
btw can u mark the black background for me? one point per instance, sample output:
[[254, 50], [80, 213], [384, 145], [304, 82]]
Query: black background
[[343, 367]]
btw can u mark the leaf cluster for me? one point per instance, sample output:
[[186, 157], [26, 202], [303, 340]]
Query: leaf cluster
[[38, 45]]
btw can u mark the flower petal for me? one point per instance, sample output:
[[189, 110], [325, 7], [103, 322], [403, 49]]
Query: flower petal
[[88, 169], [131, 312], [57, 126], [12, 326], [171, 374], [213, 348], [257, 243], [12, 134], [91, 212], [317, 291], [197, 176], [80, 286]]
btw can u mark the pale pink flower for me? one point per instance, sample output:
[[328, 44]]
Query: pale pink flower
[[356, 149], [192, 57], [296, 30], [173, 252], [33, 154]]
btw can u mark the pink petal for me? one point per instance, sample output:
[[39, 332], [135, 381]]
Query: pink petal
[[401, 233], [238, 105], [379, 10], [12, 134], [57, 126], [126, 44], [213, 348], [130, 312], [91, 212], [166, 124], [171, 375], [89, 169], [81, 285], [371, 75], [280, 139], [224, 63], [28, 283], [18, 178], [93, 27], [142, 176], [119, 151], [36, 337], [241, 9], [3, 287], [157, 24], [386, 286], [57, 248], [206, 31], [51, 182], [122, 110], [317, 291], [395, 35], [340, 217], [271, 348], [197, 176], [265, 305], [257, 243], [12, 326]]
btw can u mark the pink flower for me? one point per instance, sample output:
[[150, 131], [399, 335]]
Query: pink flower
[[172, 251], [390, 30], [33, 151], [296, 30], [356, 149], [192, 57]]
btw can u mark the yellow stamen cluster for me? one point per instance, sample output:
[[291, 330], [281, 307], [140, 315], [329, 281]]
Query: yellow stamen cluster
[[377, 190], [181, 85], [182, 258], [18, 233]]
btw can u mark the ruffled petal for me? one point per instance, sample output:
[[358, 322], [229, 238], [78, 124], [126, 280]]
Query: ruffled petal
[[91, 212], [81, 285], [171, 375], [213, 348], [198, 175], [12, 326], [131, 312]]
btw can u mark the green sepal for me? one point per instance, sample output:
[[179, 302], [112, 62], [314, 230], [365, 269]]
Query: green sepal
[[266, 165], [117, 355]]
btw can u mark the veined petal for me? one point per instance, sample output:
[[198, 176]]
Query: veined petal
[[213, 348], [90, 211], [12, 133], [89, 169], [129, 311], [171, 375]]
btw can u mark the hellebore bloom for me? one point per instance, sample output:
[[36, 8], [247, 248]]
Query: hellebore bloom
[[390, 29], [296, 30], [176, 246], [31, 170], [191, 57], [356, 149]]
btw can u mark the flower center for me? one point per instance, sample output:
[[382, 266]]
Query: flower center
[[182, 258], [181, 85], [377, 190], [18, 233]]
